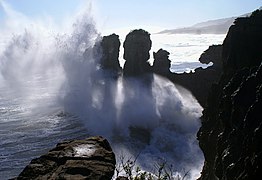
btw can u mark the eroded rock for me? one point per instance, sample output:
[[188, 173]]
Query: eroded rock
[[110, 50], [198, 82], [230, 136], [161, 62], [91, 158], [136, 53]]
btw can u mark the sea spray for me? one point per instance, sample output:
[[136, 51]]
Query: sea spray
[[56, 72]]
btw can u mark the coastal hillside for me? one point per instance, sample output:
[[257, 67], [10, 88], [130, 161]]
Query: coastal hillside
[[217, 26]]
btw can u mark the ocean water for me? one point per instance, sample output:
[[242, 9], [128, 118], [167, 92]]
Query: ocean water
[[51, 89]]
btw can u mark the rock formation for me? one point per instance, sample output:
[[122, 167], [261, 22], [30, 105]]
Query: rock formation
[[110, 50], [198, 82], [90, 158], [212, 54], [136, 53], [231, 131], [161, 62], [242, 46]]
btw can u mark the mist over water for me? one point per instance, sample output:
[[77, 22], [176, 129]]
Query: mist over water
[[52, 88]]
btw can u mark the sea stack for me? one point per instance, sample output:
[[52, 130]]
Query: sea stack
[[110, 50], [136, 53], [161, 62]]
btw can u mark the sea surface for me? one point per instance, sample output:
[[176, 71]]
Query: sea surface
[[32, 120], [50, 91]]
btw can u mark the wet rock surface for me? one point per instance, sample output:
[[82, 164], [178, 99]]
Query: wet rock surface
[[230, 136], [91, 158]]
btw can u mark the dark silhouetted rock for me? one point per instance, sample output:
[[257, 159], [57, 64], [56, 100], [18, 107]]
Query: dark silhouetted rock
[[212, 54], [90, 158], [110, 50], [161, 62], [230, 135], [242, 46], [136, 53], [198, 82]]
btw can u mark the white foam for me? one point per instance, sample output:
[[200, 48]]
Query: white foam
[[84, 150], [66, 65]]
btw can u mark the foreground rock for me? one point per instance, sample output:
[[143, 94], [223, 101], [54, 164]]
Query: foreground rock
[[90, 158], [231, 132]]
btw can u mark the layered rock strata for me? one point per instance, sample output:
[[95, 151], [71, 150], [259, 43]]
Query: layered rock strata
[[91, 158]]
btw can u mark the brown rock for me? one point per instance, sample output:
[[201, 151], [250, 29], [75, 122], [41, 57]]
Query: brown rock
[[91, 158]]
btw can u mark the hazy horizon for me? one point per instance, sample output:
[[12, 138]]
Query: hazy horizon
[[116, 14]]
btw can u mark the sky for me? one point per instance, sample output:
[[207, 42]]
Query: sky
[[115, 14]]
